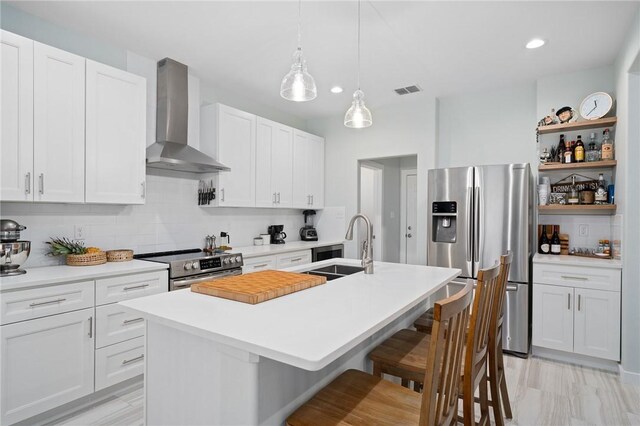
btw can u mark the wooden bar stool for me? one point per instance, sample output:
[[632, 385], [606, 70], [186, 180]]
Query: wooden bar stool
[[404, 351], [357, 398]]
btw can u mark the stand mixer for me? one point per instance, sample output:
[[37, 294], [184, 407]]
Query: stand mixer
[[13, 253]]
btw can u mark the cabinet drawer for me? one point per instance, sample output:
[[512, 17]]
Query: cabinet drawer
[[579, 277], [110, 290], [119, 362], [292, 259], [259, 264], [115, 324], [22, 305]]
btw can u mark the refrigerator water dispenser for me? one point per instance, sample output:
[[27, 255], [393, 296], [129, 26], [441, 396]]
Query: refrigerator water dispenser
[[444, 221]]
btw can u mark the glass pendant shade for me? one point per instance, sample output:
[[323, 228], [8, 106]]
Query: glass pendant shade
[[298, 85], [358, 116]]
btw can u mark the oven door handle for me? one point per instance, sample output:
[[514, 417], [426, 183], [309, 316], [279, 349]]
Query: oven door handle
[[186, 282]]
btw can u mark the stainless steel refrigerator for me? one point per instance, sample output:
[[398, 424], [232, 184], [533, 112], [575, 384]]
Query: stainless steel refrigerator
[[475, 215]]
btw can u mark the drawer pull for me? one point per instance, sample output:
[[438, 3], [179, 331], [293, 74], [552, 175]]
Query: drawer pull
[[578, 302], [569, 277], [33, 305], [262, 265], [129, 361], [297, 259], [136, 286], [130, 321]]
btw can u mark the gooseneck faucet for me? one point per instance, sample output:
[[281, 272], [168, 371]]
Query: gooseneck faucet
[[367, 246]]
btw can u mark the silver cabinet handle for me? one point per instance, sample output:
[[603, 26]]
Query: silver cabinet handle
[[91, 327], [41, 177], [274, 198], [262, 265], [297, 259], [312, 199], [578, 302], [221, 194], [47, 302], [136, 286], [144, 190], [130, 321], [27, 183], [569, 301], [569, 277], [278, 198], [129, 361]]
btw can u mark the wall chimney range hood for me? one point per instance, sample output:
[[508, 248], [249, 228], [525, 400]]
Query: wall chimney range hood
[[170, 151]]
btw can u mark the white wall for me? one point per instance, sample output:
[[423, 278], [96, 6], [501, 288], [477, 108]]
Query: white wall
[[491, 127], [398, 130], [627, 145]]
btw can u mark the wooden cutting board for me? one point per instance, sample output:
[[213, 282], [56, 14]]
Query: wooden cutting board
[[259, 286]]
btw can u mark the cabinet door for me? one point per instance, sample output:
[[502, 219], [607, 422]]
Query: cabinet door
[[46, 362], [265, 188], [237, 150], [553, 317], [16, 145], [597, 323], [116, 136], [301, 153], [282, 165], [261, 263], [58, 132], [315, 174]]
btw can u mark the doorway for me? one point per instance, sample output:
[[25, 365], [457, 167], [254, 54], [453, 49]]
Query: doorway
[[371, 176], [408, 216]]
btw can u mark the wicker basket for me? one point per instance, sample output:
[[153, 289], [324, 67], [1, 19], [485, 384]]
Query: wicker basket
[[87, 259], [122, 255]]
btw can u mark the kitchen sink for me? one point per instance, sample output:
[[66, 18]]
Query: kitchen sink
[[333, 272]]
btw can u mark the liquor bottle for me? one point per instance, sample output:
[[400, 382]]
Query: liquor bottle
[[561, 148], [568, 153], [607, 146], [555, 242], [544, 241], [601, 192], [574, 197], [579, 150]]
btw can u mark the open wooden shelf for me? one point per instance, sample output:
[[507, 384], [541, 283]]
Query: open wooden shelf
[[596, 209], [577, 166], [580, 125]]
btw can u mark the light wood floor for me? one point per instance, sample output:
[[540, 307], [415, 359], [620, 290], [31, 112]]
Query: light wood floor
[[542, 393]]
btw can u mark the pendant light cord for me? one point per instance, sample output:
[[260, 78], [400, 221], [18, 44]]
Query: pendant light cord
[[299, 26], [358, 44]]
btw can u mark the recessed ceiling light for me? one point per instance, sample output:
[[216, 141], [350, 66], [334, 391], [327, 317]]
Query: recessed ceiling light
[[336, 89], [535, 43]]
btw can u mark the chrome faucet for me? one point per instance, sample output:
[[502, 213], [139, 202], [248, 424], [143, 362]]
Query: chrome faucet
[[367, 246]]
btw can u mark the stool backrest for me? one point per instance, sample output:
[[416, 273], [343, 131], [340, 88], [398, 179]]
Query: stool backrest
[[444, 362], [501, 291]]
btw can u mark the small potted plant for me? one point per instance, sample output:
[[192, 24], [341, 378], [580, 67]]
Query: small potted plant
[[76, 253]]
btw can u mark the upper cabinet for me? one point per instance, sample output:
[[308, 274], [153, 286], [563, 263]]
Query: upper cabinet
[[274, 164], [115, 135], [63, 115], [58, 125], [16, 145], [308, 170]]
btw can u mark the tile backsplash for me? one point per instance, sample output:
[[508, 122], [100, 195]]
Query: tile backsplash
[[170, 220]]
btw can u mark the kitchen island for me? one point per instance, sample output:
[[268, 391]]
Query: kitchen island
[[216, 361]]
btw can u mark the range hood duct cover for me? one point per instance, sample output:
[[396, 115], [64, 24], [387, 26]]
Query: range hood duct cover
[[170, 151]]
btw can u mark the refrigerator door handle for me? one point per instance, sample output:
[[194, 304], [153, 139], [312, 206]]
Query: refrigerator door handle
[[470, 224], [478, 205]]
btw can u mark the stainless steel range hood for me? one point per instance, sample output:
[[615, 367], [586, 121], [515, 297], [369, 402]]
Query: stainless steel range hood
[[170, 151]]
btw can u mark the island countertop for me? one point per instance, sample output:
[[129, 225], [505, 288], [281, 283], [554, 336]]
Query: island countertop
[[308, 329]]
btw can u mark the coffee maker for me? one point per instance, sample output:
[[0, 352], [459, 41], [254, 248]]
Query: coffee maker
[[308, 232], [277, 234]]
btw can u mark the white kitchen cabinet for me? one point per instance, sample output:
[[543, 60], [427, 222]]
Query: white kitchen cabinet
[[308, 170], [58, 131], [274, 164], [597, 324], [115, 135], [287, 260], [236, 149], [115, 324], [553, 317], [260, 263], [46, 362], [119, 362], [124, 287], [16, 145], [576, 309]]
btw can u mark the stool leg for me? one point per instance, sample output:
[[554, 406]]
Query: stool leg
[[501, 380], [484, 400], [494, 387], [377, 369]]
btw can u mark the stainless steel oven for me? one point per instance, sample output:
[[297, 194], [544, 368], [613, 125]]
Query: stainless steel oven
[[327, 252], [177, 284]]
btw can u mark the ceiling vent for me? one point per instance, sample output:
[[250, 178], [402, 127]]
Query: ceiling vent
[[407, 90]]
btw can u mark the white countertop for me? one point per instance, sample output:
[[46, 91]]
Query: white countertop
[[308, 329], [562, 259], [46, 275], [271, 249]]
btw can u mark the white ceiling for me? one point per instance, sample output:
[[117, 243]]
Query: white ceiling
[[444, 47]]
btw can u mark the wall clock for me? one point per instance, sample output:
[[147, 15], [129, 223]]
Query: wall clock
[[596, 105]]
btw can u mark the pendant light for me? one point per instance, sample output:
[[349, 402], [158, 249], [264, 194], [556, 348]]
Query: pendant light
[[298, 85], [358, 116]]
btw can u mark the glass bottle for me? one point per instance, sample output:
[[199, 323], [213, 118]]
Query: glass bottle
[[561, 147], [568, 153], [544, 241], [601, 192], [573, 197], [555, 242], [607, 146], [579, 150]]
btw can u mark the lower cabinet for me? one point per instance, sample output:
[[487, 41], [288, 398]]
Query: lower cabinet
[[596, 325], [260, 263], [119, 362], [46, 362], [276, 261]]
